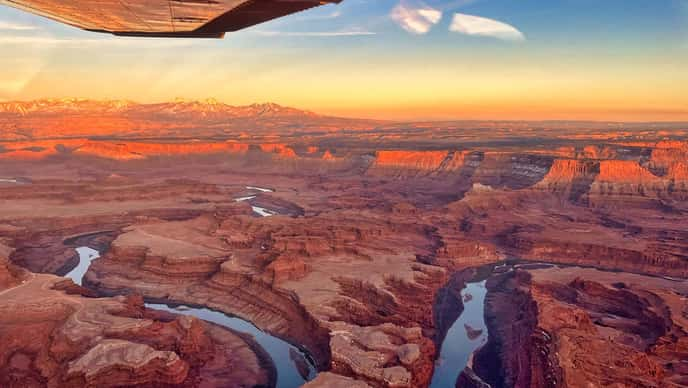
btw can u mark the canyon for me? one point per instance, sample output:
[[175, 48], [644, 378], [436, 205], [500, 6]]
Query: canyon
[[376, 232], [77, 340], [570, 326]]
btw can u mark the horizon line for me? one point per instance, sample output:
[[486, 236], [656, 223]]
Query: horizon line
[[419, 119]]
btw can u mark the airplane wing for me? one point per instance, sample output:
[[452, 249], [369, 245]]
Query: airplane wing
[[164, 18]]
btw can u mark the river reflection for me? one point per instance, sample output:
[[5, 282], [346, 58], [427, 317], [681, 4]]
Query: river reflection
[[465, 336]]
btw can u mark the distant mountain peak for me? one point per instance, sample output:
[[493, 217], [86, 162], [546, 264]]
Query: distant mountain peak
[[56, 105], [206, 101], [267, 105]]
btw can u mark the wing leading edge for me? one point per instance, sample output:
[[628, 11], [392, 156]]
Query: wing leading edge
[[164, 18]]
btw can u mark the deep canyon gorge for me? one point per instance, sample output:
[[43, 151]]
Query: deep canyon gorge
[[358, 244]]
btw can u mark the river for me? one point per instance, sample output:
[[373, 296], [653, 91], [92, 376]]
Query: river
[[289, 360], [262, 189], [464, 337], [261, 211]]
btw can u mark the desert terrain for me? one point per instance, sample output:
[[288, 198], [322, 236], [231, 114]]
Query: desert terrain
[[353, 241]]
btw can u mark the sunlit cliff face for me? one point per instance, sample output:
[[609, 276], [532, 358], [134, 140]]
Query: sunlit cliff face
[[605, 169]]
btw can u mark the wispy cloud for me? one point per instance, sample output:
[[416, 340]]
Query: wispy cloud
[[332, 15], [309, 17], [5, 26], [316, 34], [480, 26], [415, 18]]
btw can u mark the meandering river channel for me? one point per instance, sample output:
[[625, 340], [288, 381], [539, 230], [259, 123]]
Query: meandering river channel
[[294, 366]]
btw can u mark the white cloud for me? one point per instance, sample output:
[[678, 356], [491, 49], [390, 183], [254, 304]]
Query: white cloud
[[15, 27], [480, 26], [416, 19], [431, 15]]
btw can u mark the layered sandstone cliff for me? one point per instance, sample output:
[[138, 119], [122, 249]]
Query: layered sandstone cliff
[[664, 176], [78, 341], [518, 352], [580, 327], [627, 178], [570, 178], [281, 150], [133, 150], [411, 163]]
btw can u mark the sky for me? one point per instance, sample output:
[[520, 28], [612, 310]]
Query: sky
[[623, 60]]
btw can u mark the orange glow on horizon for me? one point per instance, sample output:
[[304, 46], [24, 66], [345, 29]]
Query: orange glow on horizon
[[606, 90], [511, 112]]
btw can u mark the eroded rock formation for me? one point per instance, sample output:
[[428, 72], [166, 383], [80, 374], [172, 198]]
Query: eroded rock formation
[[369, 227], [78, 341], [580, 327]]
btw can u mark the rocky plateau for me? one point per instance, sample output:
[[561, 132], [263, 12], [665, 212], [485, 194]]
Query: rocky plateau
[[373, 230]]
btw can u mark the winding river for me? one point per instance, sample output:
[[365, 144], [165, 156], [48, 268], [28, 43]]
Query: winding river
[[86, 256], [261, 211], [294, 366], [465, 336], [285, 356]]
